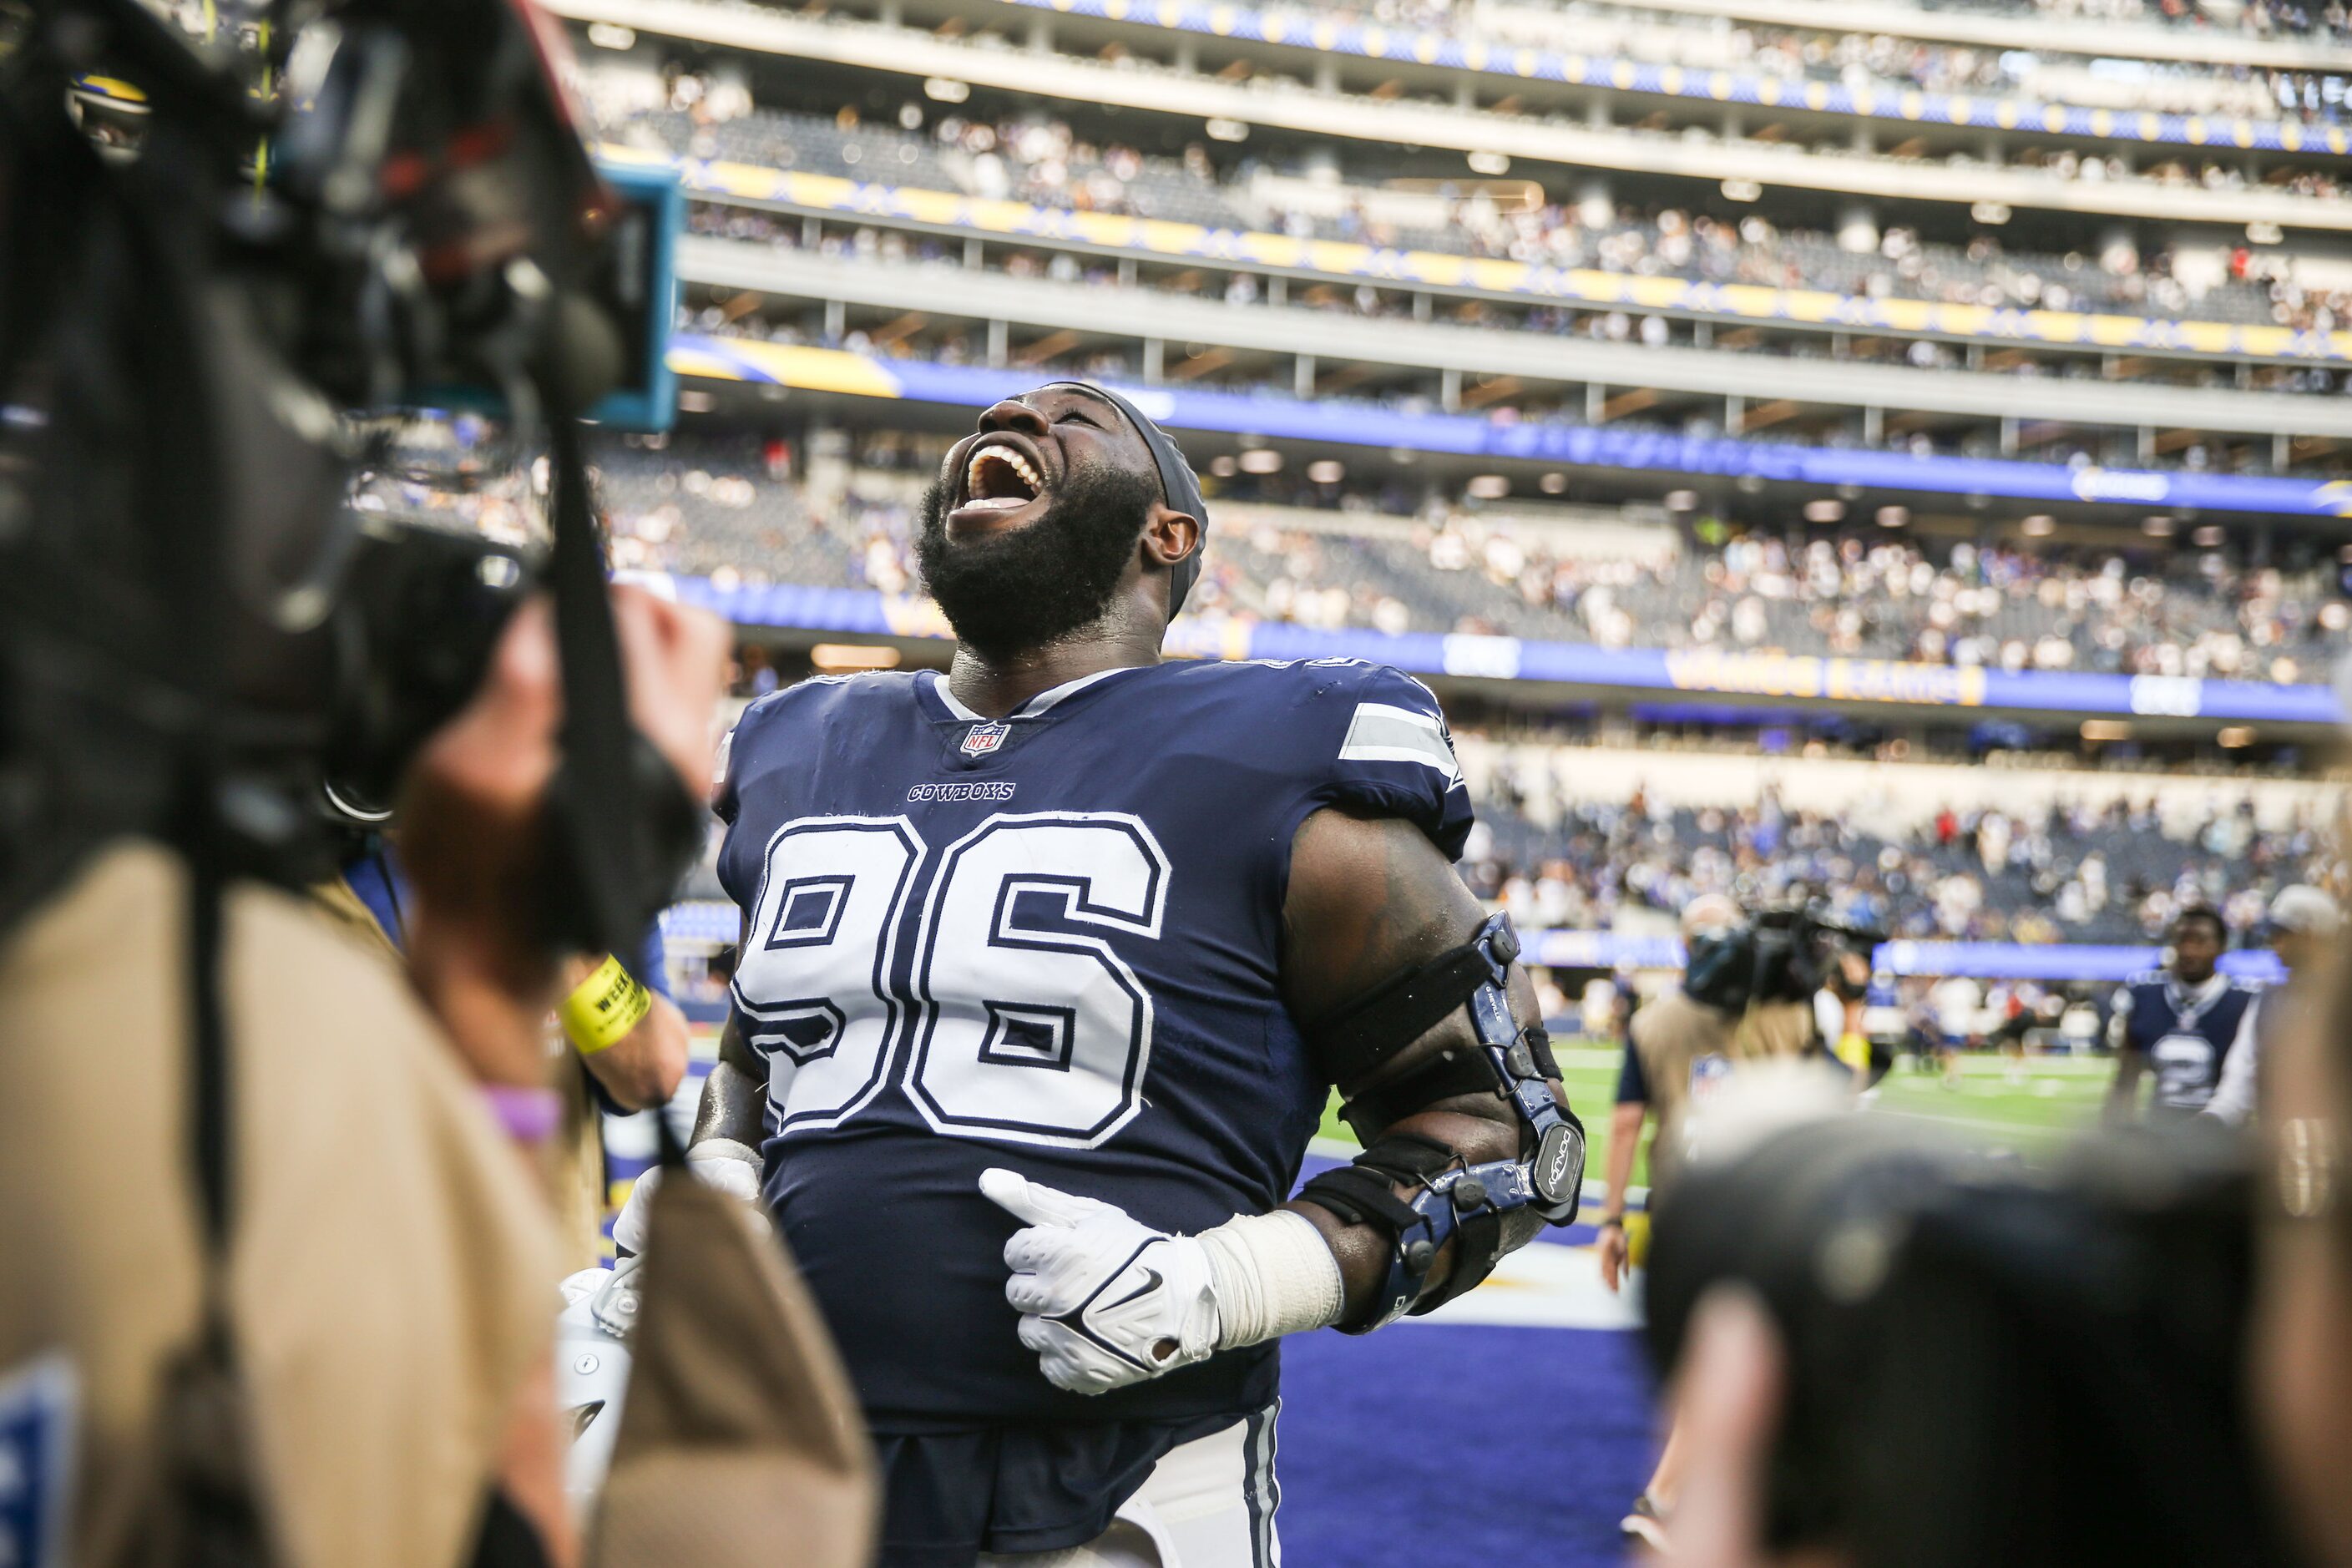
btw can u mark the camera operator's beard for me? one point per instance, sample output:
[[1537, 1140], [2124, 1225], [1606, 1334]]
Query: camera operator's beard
[[1007, 593]]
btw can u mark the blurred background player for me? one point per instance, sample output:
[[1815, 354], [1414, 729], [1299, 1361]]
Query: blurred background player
[[2178, 1024], [2304, 924]]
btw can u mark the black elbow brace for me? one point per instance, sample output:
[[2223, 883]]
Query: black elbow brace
[[1454, 1198]]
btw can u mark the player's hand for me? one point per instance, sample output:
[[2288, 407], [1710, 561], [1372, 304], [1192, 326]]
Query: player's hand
[[1105, 1301], [1614, 1250], [721, 1163]]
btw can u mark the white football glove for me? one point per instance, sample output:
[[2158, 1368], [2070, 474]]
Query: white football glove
[[721, 1163], [1105, 1301]]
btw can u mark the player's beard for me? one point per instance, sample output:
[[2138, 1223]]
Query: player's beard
[[1009, 592]]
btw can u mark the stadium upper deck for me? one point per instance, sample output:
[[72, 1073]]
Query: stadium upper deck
[[1567, 114], [1496, 253], [1549, 301], [1308, 240], [2038, 64], [2283, 33]]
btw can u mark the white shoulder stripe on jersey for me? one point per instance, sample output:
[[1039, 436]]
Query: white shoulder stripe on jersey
[[1380, 732]]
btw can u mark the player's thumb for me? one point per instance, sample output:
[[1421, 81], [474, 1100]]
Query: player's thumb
[[1027, 1200]]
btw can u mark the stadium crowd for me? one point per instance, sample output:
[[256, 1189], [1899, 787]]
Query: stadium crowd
[[1044, 163], [2261, 18], [1974, 874], [1886, 60], [1398, 563]]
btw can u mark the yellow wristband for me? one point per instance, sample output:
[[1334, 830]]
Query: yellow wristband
[[604, 1007]]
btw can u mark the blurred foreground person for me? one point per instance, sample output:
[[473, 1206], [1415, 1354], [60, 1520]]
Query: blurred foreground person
[[1893, 1346], [390, 1278], [2303, 924], [2302, 1365], [283, 1282], [1736, 1380]]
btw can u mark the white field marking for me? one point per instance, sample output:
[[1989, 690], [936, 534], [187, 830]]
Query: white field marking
[[1545, 1288]]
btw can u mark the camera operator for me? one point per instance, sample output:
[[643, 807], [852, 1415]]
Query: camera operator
[[2180, 1022], [1747, 995], [1677, 1049], [2303, 923], [393, 1259]]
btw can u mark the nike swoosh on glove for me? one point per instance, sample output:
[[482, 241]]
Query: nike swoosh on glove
[[721, 1163], [1105, 1301]]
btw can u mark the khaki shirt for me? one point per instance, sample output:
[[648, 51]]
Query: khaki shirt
[[392, 1273], [1685, 1045], [574, 1157]]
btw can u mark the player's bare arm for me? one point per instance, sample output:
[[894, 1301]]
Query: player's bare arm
[[1389, 960], [734, 1092], [725, 1147], [1371, 899], [737, 1089]]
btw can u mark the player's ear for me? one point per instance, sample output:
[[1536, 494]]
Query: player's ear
[[1169, 535]]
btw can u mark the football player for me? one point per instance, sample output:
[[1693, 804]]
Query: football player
[[1048, 965], [2178, 1021]]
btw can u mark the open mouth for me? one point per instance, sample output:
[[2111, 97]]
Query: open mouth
[[1000, 481]]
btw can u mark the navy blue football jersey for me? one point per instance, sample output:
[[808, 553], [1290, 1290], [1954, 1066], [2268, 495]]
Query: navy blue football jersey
[[2184, 1033], [1050, 942]]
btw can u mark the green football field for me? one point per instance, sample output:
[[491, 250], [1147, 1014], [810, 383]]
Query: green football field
[[2030, 1112]]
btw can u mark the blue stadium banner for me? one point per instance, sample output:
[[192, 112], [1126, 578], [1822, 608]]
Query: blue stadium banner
[[2056, 961], [715, 923], [1337, 422], [1802, 678]]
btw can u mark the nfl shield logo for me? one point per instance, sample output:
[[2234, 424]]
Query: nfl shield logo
[[982, 739]]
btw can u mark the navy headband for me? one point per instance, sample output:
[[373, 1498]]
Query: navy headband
[[1178, 484]]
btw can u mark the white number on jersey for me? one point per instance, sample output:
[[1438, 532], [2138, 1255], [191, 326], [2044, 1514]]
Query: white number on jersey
[[1024, 1033], [812, 980]]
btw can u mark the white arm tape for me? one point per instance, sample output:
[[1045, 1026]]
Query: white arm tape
[[1273, 1275]]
